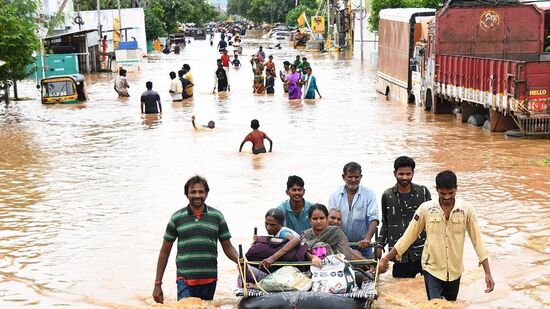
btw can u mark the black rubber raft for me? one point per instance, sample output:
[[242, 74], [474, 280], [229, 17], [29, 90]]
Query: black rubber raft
[[303, 300]]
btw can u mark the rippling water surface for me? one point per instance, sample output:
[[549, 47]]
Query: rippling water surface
[[86, 190]]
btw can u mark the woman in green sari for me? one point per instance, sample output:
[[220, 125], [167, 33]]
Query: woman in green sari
[[321, 232]]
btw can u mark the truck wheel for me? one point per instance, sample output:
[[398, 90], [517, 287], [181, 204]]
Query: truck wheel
[[411, 99], [428, 101]]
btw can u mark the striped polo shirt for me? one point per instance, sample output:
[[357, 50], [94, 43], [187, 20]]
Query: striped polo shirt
[[197, 241]]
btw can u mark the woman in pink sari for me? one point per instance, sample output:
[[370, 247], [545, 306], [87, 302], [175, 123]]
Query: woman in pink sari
[[294, 84]]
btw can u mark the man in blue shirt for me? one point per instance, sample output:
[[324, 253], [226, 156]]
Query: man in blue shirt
[[359, 208], [296, 208]]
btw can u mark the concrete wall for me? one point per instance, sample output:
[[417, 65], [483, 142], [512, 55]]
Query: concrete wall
[[129, 18]]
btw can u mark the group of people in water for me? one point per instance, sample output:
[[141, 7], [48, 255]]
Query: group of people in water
[[423, 236], [296, 76]]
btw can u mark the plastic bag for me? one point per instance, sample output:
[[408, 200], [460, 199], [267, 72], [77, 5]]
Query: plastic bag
[[287, 278], [335, 276]]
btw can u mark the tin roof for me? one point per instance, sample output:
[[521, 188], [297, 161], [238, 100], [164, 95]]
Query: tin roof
[[71, 33], [402, 14]]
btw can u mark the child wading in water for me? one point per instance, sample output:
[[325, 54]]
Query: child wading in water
[[258, 86], [256, 137], [270, 81]]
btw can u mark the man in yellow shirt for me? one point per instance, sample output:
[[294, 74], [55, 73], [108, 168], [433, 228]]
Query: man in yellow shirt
[[446, 222], [187, 75]]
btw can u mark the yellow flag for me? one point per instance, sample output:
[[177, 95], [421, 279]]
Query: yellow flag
[[302, 19]]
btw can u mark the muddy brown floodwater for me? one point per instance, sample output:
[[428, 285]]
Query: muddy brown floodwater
[[86, 191]]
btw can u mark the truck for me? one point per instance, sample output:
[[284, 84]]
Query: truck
[[399, 30], [485, 60]]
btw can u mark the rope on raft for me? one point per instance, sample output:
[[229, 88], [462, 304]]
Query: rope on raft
[[244, 268], [308, 263]]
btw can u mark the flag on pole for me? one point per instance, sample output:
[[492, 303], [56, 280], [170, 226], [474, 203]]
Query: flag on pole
[[302, 19]]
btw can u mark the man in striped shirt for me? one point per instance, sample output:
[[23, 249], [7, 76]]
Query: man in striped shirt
[[197, 228]]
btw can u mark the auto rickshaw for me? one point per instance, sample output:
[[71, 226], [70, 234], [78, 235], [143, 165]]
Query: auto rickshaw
[[64, 89]]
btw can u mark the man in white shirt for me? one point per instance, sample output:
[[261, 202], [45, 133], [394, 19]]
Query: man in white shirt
[[176, 88]]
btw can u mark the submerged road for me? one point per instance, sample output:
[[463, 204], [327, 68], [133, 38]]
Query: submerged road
[[86, 191]]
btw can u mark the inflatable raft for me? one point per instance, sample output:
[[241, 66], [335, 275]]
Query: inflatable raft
[[363, 297]]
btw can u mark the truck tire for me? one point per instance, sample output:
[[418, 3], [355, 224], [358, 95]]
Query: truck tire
[[428, 102]]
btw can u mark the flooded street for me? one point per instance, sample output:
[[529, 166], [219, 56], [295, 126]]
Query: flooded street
[[86, 191]]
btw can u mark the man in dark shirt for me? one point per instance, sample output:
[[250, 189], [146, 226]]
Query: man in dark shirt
[[150, 100], [220, 78], [222, 45], [399, 204]]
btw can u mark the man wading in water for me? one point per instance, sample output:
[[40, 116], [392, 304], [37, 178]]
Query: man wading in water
[[399, 204], [197, 228], [445, 221]]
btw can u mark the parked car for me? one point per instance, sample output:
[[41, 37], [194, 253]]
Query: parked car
[[281, 35]]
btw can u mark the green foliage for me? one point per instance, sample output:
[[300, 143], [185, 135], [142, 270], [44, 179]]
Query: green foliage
[[154, 16], [90, 5], [238, 7], [292, 15], [269, 11], [163, 16], [378, 5], [18, 38]]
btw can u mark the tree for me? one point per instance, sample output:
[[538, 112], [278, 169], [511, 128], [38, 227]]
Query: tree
[[265, 10], [292, 15], [18, 40], [378, 5], [238, 7], [154, 16], [162, 16]]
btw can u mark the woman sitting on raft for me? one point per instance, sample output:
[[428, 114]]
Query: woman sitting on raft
[[274, 220], [322, 232]]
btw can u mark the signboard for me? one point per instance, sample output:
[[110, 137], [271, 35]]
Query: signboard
[[538, 93], [318, 24]]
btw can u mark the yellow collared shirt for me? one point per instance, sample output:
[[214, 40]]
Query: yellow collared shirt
[[189, 77], [444, 247]]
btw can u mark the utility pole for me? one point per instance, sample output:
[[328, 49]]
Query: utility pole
[[120, 19], [99, 21], [361, 30]]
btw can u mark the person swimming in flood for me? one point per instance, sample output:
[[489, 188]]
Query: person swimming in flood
[[256, 137], [211, 124]]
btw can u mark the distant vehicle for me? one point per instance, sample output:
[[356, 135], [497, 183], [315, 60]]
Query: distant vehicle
[[65, 89], [196, 33], [281, 35], [176, 38], [272, 32], [276, 29]]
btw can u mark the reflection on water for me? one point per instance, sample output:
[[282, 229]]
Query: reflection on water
[[87, 190]]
